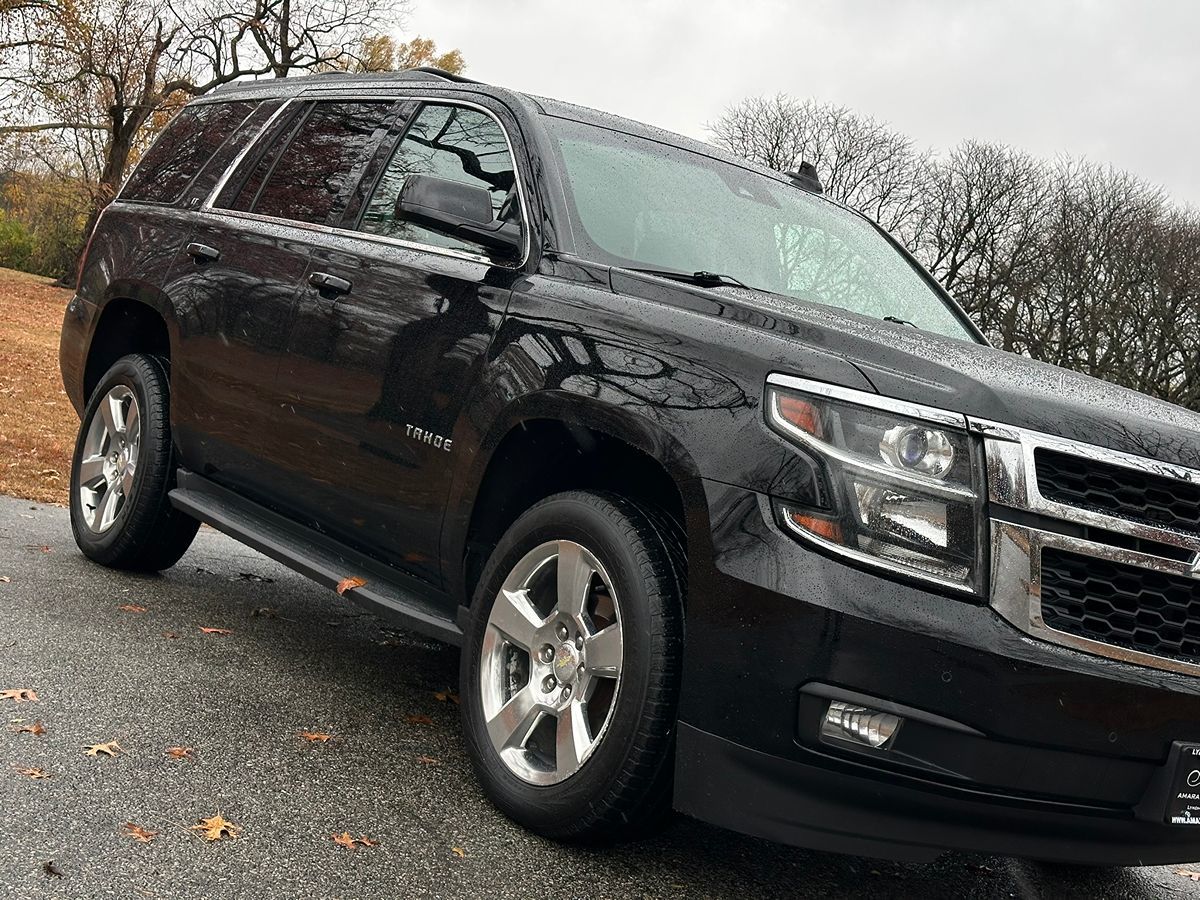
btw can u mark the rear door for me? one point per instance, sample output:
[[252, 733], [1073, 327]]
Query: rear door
[[377, 370], [234, 286]]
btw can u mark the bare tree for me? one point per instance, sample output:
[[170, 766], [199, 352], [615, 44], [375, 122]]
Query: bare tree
[[860, 160], [100, 74]]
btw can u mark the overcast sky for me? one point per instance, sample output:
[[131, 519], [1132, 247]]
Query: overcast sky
[[1114, 82]]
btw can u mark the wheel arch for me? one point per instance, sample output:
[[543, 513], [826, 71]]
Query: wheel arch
[[553, 442], [134, 318]]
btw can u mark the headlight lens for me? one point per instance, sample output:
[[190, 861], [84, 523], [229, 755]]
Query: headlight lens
[[904, 487]]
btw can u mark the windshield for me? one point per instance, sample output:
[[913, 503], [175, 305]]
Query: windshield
[[643, 204]]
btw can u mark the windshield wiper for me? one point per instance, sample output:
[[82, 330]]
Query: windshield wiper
[[704, 279]]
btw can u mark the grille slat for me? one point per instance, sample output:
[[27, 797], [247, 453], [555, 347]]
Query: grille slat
[[1118, 491], [1128, 606]]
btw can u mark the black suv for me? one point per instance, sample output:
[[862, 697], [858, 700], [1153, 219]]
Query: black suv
[[728, 504]]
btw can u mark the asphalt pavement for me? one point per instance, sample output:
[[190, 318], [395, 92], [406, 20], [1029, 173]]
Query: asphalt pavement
[[300, 659]]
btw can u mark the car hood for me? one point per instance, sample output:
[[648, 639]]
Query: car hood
[[982, 382]]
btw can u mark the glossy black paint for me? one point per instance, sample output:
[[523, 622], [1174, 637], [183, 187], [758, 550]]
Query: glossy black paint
[[303, 400]]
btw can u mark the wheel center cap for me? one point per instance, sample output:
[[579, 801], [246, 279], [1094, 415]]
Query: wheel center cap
[[566, 662]]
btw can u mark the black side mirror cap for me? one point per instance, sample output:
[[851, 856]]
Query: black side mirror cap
[[456, 209]]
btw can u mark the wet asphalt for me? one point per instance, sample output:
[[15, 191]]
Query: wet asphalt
[[298, 659]]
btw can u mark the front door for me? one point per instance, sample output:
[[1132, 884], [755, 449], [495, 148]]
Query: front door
[[389, 339]]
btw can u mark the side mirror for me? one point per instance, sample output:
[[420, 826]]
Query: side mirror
[[458, 210]]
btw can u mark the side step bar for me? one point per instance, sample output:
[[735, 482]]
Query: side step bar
[[403, 601]]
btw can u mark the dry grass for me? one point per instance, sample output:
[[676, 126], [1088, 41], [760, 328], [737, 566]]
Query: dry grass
[[37, 423]]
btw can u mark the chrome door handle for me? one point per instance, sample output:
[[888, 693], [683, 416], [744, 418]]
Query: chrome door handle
[[323, 281], [203, 252]]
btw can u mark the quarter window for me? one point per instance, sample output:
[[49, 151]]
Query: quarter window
[[191, 139], [451, 142], [304, 181]]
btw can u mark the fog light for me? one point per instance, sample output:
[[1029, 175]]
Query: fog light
[[860, 725]]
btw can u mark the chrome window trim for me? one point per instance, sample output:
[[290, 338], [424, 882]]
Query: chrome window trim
[[1017, 586], [241, 155], [210, 210], [866, 398]]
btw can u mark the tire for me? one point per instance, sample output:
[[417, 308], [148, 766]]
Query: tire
[[121, 472], [613, 780]]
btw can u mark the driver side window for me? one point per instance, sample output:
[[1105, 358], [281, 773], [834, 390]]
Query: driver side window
[[454, 143]]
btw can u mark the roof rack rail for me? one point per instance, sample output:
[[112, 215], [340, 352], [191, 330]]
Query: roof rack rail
[[441, 73]]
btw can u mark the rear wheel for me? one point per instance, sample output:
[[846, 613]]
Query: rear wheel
[[123, 469], [570, 669]]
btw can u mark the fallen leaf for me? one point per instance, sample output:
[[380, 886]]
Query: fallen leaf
[[447, 694], [250, 576], [39, 547], [170, 635], [216, 630], [316, 737], [217, 827], [349, 584], [352, 843], [4, 579], [458, 851], [428, 761], [269, 612], [19, 695], [35, 728], [131, 607], [51, 868], [418, 719], [35, 774], [180, 752], [112, 748], [138, 833], [1188, 873]]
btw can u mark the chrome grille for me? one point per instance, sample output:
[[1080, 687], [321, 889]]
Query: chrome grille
[[1108, 562]]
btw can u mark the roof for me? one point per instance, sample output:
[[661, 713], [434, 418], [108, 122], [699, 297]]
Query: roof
[[438, 79]]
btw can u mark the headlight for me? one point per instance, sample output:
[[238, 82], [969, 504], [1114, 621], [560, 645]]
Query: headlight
[[903, 480]]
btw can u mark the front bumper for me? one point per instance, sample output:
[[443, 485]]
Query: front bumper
[[1026, 748]]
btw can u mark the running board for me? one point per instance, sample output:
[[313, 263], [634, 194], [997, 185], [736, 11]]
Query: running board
[[403, 601]]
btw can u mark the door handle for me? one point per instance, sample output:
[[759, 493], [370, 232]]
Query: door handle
[[323, 281], [202, 252]]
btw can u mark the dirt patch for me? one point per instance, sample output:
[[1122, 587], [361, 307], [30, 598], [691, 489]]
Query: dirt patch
[[37, 423]]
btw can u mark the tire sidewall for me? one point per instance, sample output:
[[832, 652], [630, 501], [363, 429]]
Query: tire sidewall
[[124, 371], [553, 807]]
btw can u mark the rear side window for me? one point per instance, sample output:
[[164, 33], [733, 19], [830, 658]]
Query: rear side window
[[182, 150], [305, 179]]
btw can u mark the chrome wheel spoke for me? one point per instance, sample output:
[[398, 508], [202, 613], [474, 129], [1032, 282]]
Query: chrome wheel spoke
[[132, 423], [112, 413], [603, 651], [572, 742], [108, 506], [510, 727], [574, 579], [127, 479], [91, 469], [514, 616]]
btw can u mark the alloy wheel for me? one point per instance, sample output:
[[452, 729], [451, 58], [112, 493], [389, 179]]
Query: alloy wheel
[[551, 662], [109, 459]]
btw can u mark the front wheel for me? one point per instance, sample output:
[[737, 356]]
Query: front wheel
[[123, 469], [570, 669]]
